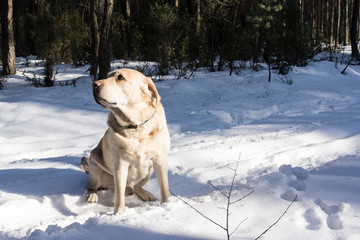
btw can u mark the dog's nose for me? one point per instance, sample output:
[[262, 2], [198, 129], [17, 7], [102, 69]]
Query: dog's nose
[[96, 84]]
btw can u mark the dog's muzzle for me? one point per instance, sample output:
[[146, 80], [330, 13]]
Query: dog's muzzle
[[99, 100]]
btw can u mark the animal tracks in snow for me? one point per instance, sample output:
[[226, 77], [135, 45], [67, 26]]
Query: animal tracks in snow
[[298, 172], [313, 219], [333, 220], [297, 184], [297, 177], [314, 216]]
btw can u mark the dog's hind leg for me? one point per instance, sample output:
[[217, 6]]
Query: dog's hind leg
[[94, 184], [85, 164]]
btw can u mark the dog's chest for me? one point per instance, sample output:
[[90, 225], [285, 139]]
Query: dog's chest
[[139, 170], [133, 141], [138, 155]]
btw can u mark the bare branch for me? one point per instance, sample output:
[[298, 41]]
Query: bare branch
[[238, 226], [243, 197], [228, 196], [233, 180], [209, 182], [343, 71], [232, 169], [217, 224], [278, 219]]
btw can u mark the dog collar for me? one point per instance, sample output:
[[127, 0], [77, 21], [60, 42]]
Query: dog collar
[[136, 126]]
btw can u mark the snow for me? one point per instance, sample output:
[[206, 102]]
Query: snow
[[300, 140]]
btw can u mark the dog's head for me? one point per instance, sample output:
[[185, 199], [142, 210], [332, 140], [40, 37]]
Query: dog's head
[[126, 90]]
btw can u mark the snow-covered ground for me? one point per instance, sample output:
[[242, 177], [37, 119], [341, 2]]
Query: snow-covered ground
[[295, 140]]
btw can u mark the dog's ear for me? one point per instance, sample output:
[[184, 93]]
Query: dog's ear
[[152, 91]]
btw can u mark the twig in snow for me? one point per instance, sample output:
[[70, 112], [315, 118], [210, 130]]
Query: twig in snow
[[242, 197], [229, 202], [197, 210], [262, 234], [238, 226], [209, 182], [343, 71]]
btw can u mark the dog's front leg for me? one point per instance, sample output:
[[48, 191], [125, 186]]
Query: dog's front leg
[[161, 172], [120, 178]]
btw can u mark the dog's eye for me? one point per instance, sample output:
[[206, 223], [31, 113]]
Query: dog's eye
[[120, 77]]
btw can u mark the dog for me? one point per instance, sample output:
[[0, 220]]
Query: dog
[[136, 142]]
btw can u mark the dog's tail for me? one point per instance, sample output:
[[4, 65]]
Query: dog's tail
[[85, 164]]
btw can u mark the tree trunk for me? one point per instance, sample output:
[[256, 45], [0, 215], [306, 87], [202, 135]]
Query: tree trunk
[[317, 9], [21, 41], [128, 29], [198, 16], [331, 21], [305, 12], [302, 5], [312, 19], [346, 22], [105, 48], [128, 8], [338, 24], [95, 38], [331, 27], [358, 28], [353, 29], [321, 14], [7, 37], [326, 19]]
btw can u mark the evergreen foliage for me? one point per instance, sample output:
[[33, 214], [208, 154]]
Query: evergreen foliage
[[57, 32], [214, 34], [49, 73]]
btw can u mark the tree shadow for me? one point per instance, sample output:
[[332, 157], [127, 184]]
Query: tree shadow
[[55, 183], [51, 183], [186, 186], [93, 229]]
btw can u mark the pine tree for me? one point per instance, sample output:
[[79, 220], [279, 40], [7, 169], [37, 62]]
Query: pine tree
[[353, 30], [7, 37]]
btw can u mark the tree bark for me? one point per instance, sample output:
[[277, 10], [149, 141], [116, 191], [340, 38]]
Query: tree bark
[[353, 29], [358, 28], [331, 21], [128, 29], [318, 16], [7, 37], [346, 23], [198, 19], [95, 38], [338, 35], [22, 48], [105, 48], [331, 27], [128, 8]]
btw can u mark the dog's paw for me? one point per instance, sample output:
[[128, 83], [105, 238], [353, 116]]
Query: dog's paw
[[150, 198], [92, 198], [144, 195]]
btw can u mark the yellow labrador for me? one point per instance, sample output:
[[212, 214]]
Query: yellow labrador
[[135, 144]]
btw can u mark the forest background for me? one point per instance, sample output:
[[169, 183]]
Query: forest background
[[177, 34]]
